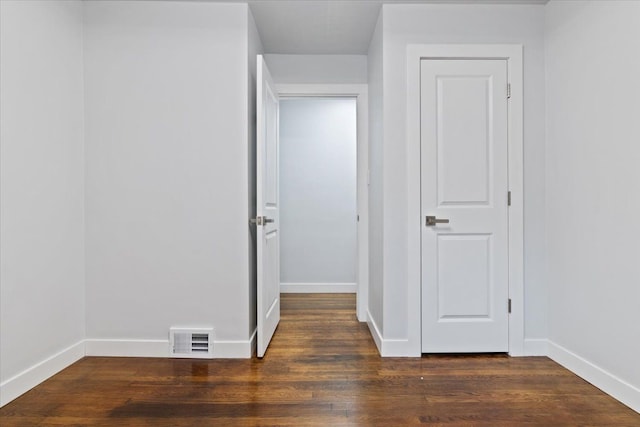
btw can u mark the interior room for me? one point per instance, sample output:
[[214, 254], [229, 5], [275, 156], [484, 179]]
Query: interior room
[[152, 194]]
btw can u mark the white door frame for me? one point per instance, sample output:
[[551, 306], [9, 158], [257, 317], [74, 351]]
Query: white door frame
[[359, 92], [512, 53]]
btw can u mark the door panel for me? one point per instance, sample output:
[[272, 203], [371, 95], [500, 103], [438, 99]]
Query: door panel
[[464, 180], [271, 149], [268, 217], [463, 151], [464, 276]]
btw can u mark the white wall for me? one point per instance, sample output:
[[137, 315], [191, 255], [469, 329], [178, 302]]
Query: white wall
[[318, 191], [376, 224], [434, 23], [593, 195], [42, 230], [309, 69], [167, 182]]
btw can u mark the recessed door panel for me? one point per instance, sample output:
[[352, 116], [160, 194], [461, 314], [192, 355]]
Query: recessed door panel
[[271, 294], [464, 137], [464, 277], [271, 149]]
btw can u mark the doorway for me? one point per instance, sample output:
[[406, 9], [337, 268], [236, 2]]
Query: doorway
[[513, 304], [318, 189], [353, 98], [267, 219]]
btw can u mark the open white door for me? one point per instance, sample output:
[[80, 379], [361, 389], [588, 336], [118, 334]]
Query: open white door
[[464, 206], [268, 215]]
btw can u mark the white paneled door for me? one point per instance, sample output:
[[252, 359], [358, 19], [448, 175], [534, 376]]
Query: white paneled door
[[464, 178], [267, 199]]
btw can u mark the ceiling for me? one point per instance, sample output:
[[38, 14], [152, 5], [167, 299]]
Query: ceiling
[[328, 26], [315, 27]]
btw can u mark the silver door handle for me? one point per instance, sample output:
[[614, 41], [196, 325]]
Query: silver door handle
[[260, 220], [432, 220]]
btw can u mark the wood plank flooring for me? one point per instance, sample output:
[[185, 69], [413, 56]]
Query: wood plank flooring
[[322, 369]]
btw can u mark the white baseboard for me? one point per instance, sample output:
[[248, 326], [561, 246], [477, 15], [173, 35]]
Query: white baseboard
[[160, 348], [318, 288], [375, 332], [127, 348], [235, 349], [31, 377], [396, 348], [387, 347], [605, 381], [536, 347]]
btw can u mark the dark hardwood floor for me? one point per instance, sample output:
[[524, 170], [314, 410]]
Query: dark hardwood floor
[[323, 369]]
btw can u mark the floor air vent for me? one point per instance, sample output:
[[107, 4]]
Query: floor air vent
[[196, 343]]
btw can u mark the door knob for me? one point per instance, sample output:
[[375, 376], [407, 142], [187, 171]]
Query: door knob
[[260, 220], [432, 220]]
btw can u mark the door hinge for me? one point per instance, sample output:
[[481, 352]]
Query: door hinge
[[509, 305], [508, 90], [357, 218], [509, 198]]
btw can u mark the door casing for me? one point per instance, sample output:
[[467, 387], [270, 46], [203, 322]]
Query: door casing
[[512, 53]]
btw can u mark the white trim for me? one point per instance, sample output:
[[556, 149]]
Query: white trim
[[605, 381], [234, 349], [311, 90], [512, 53], [318, 288], [375, 332], [394, 348], [127, 348], [40, 372], [160, 348], [360, 92], [536, 347], [386, 347]]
